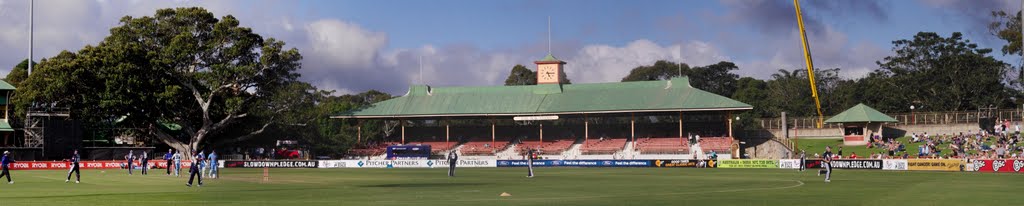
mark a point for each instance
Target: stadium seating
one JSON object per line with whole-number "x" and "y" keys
{"x": 547, "y": 147}
{"x": 667, "y": 145}
{"x": 603, "y": 146}
{"x": 371, "y": 150}
{"x": 437, "y": 147}
{"x": 483, "y": 147}
{"x": 721, "y": 145}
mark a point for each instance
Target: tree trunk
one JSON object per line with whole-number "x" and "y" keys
{"x": 184, "y": 148}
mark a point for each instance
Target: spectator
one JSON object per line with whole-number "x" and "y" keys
{"x": 853, "y": 155}
{"x": 1000, "y": 152}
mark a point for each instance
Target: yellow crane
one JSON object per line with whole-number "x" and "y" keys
{"x": 810, "y": 64}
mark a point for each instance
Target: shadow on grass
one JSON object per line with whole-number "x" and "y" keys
{"x": 425, "y": 185}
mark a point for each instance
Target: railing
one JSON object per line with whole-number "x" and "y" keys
{"x": 972, "y": 117}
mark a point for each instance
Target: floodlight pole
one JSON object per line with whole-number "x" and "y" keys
{"x": 31, "y": 29}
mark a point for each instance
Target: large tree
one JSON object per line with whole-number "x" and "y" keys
{"x": 1008, "y": 28}
{"x": 181, "y": 67}
{"x": 19, "y": 73}
{"x": 715, "y": 78}
{"x": 661, "y": 70}
{"x": 520, "y": 75}
{"x": 943, "y": 74}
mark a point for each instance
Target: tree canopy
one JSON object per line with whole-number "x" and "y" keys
{"x": 181, "y": 66}
{"x": 520, "y": 75}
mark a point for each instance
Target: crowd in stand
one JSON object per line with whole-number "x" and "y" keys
{"x": 998, "y": 143}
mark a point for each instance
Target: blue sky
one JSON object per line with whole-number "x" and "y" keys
{"x": 356, "y": 45}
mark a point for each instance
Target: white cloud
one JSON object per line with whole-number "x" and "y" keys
{"x": 344, "y": 44}
{"x": 829, "y": 49}
{"x": 603, "y": 63}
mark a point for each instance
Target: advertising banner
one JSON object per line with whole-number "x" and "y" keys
{"x": 789, "y": 163}
{"x": 50, "y": 165}
{"x": 577, "y": 163}
{"x": 271, "y": 164}
{"x": 1011, "y": 166}
{"x": 848, "y": 164}
{"x": 464, "y": 163}
{"x": 748, "y": 164}
{"x": 935, "y": 164}
{"x": 403, "y": 163}
{"x": 894, "y": 164}
{"x": 337, "y": 164}
{"x": 683, "y": 163}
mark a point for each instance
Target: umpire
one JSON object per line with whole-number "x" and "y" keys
{"x": 453, "y": 159}
{"x": 5, "y": 165}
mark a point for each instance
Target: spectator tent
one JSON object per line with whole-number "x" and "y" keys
{"x": 860, "y": 121}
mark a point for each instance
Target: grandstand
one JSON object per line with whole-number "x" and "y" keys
{"x": 481, "y": 147}
{"x": 436, "y": 147}
{"x": 673, "y": 145}
{"x": 371, "y": 149}
{"x": 603, "y": 146}
{"x": 553, "y": 147}
{"x": 626, "y": 118}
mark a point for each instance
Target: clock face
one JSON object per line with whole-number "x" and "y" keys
{"x": 547, "y": 73}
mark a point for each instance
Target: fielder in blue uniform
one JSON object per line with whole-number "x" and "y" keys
{"x": 5, "y": 165}
{"x": 212, "y": 158}
{"x": 75, "y": 158}
{"x": 177, "y": 163}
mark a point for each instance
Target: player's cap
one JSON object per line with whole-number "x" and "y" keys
{"x": 6, "y": 152}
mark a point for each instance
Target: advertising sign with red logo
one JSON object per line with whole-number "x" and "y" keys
{"x": 60, "y": 165}
{"x": 1011, "y": 166}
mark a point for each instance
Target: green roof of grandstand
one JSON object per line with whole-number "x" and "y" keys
{"x": 860, "y": 113}
{"x": 5, "y": 127}
{"x": 6, "y": 86}
{"x": 642, "y": 96}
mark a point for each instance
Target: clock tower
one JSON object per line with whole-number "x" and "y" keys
{"x": 549, "y": 70}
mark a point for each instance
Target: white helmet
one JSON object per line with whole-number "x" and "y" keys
{"x": 6, "y": 152}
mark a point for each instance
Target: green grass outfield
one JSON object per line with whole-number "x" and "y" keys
{"x": 552, "y": 186}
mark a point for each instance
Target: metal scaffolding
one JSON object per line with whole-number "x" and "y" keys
{"x": 34, "y": 129}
